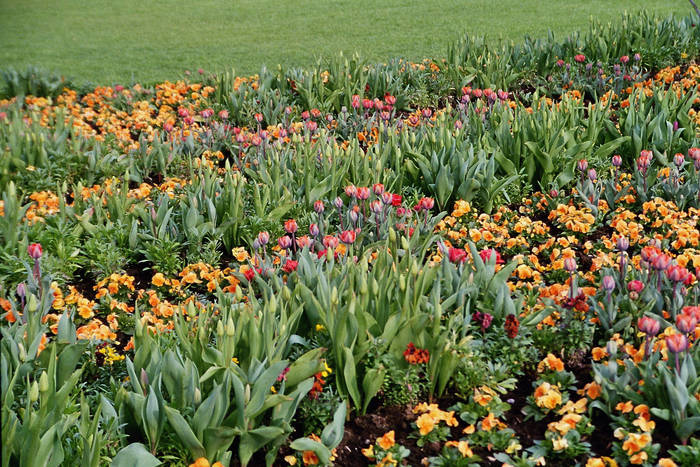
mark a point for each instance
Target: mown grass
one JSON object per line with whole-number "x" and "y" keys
{"x": 108, "y": 42}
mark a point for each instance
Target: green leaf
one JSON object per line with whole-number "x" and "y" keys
{"x": 307, "y": 444}
{"x": 135, "y": 455}
{"x": 333, "y": 432}
{"x": 184, "y": 432}
{"x": 251, "y": 441}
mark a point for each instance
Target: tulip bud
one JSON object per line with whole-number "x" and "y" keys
{"x": 32, "y": 304}
{"x": 608, "y": 283}
{"x": 197, "y": 396}
{"x": 334, "y": 295}
{"x": 43, "y": 382}
{"x": 22, "y": 352}
{"x": 402, "y": 282}
{"x": 34, "y": 392}
{"x": 34, "y": 251}
{"x": 272, "y": 305}
{"x": 392, "y": 235}
{"x": 220, "y": 328}
{"x": 622, "y": 243}
{"x": 144, "y": 380}
{"x": 286, "y": 293}
{"x": 230, "y": 328}
{"x": 570, "y": 265}
{"x": 611, "y": 348}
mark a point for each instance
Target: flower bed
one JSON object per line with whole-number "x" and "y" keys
{"x": 386, "y": 265}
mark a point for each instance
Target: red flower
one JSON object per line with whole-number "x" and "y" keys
{"x": 635, "y": 286}
{"x": 677, "y": 343}
{"x": 34, "y": 250}
{"x": 511, "y": 325}
{"x": 648, "y": 326}
{"x": 457, "y": 255}
{"x": 290, "y": 266}
{"x": 250, "y": 273}
{"x": 580, "y": 58}
{"x": 427, "y": 203}
{"x": 415, "y": 356}
{"x": 290, "y": 226}
{"x": 395, "y": 200}
{"x": 486, "y": 255}
{"x": 348, "y": 237}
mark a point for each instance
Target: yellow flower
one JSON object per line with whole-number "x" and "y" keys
{"x": 291, "y": 460}
{"x": 513, "y": 447}
{"x": 559, "y": 444}
{"x": 368, "y": 452}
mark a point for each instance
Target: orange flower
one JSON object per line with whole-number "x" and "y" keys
{"x": 201, "y": 462}
{"x": 551, "y": 362}
{"x": 624, "y": 407}
{"x": 462, "y": 446}
{"x": 666, "y": 462}
{"x": 158, "y": 279}
{"x": 425, "y": 424}
{"x": 309, "y": 458}
{"x": 386, "y": 441}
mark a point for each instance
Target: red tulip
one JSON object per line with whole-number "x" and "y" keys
{"x": 290, "y": 266}
{"x": 348, "y": 237}
{"x": 290, "y": 226}
{"x": 648, "y": 326}
{"x": 457, "y": 255}
{"x": 34, "y": 250}
{"x": 677, "y": 343}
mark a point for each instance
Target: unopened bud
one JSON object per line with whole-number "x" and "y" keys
{"x": 43, "y": 382}
{"x": 220, "y": 328}
{"x": 230, "y": 328}
{"x": 34, "y": 392}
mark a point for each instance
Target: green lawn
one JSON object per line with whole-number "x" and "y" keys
{"x": 117, "y": 40}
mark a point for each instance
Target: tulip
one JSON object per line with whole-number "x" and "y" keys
{"x": 290, "y": 226}
{"x": 624, "y": 59}
{"x": 427, "y": 203}
{"x": 284, "y": 242}
{"x": 570, "y": 265}
{"x": 263, "y": 238}
{"x": 314, "y": 230}
{"x": 622, "y": 243}
{"x": 457, "y": 255}
{"x": 351, "y": 191}
{"x": 35, "y": 251}
{"x": 362, "y": 193}
{"x": 331, "y": 242}
{"x": 580, "y": 58}
{"x": 290, "y": 266}
{"x": 661, "y": 262}
{"x": 677, "y": 343}
{"x": 378, "y": 189}
{"x": 678, "y": 160}
{"x": 608, "y": 283}
{"x": 338, "y": 202}
{"x": 677, "y": 273}
{"x": 319, "y": 207}
{"x": 348, "y": 237}
{"x": 616, "y": 160}
{"x": 582, "y": 165}
{"x": 648, "y": 326}
{"x": 686, "y": 323}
